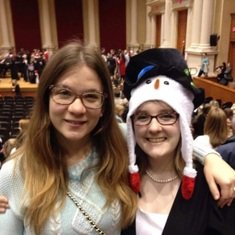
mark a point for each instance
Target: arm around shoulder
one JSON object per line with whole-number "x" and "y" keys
{"x": 200, "y": 151}
{"x": 218, "y": 174}
{"x": 10, "y": 221}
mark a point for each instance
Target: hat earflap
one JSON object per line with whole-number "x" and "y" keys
{"x": 133, "y": 168}
{"x": 189, "y": 173}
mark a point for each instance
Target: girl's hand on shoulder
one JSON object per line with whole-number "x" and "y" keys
{"x": 220, "y": 177}
{"x": 3, "y": 204}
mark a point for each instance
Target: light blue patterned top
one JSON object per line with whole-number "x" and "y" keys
{"x": 69, "y": 221}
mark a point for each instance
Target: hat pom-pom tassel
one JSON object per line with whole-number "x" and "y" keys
{"x": 135, "y": 181}
{"x": 187, "y": 189}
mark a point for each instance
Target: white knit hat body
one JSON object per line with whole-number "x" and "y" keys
{"x": 180, "y": 99}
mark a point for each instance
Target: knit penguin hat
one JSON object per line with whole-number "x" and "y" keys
{"x": 162, "y": 74}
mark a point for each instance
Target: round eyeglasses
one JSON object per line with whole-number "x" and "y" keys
{"x": 164, "y": 119}
{"x": 65, "y": 96}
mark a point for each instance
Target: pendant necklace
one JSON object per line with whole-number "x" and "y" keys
{"x": 161, "y": 181}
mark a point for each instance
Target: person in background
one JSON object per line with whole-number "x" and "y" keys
{"x": 103, "y": 54}
{"x": 127, "y": 57}
{"x": 220, "y": 71}
{"x": 226, "y": 149}
{"x": 228, "y": 72}
{"x": 12, "y": 144}
{"x": 224, "y": 74}
{"x": 174, "y": 197}
{"x": 119, "y": 109}
{"x": 25, "y": 68}
{"x": 40, "y": 63}
{"x": 111, "y": 63}
{"x": 214, "y": 103}
{"x": 229, "y": 116}
{"x": 72, "y": 165}
{"x": 233, "y": 108}
{"x": 23, "y": 126}
{"x": 120, "y": 61}
{"x": 45, "y": 55}
{"x": 204, "y": 69}
{"x": 215, "y": 129}
{"x": 31, "y": 72}
{"x": 227, "y": 152}
{"x": 16, "y": 88}
{"x": 8, "y": 146}
{"x": 13, "y": 68}
{"x": 198, "y": 120}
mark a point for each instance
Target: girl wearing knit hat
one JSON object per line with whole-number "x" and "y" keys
{"x": 174, "y": 196}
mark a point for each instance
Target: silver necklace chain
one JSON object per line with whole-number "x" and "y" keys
{"x": 161, "y": 181}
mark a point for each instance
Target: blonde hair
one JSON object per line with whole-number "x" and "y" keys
{"x": 214, "y": 103}
{"x": 43, "y": 166}
{"x": 119, "y": 108}
{"x": 8, "y": 146}
{"x": 23, "y": 124}
{"x": 216, "y": 126}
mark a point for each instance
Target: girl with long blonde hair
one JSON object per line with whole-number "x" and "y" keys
{"x": 73, "y": 156}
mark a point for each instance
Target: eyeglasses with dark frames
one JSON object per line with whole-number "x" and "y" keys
{"x": 66, "y": 96}
{"x": 168, "y": 118}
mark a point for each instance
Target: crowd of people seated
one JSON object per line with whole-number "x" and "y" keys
{"x": 201, "y": 113}
{"x": 217, "y": 131}
{"x": 116, "y": 62}
{"x": 224, "y": 74}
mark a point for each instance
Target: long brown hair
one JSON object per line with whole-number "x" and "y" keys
{"x": 216, "y": 126}
{"x": 43, "y": 164}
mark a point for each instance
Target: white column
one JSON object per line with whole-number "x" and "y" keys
{"x": 174, "y": 28}
{"x": 148, "y": 34}
{"x": 189, "y": 28}
{"x": 6, "y": 45}
{"x": 162, "y": 29}
{"x": 196, "y": 23}
{"x": 201, "y": 30}
{"x": 47, "y": 17}
{"x": 46, "y": 24}
{"x": 206, "y": 23}
{"x": 167, "y": 24}
{"x": 153, "y": 30}
{"x": 91, "y": 23}
{"x": 133, "y": 40}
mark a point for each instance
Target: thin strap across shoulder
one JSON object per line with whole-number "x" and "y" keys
{"x": 90, "y": 220}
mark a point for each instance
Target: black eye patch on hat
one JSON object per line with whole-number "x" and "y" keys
{"x": 160, "y": 61}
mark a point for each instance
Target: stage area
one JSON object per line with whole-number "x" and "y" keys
{"x": 27, "y": 89}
